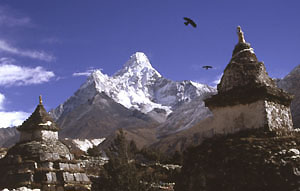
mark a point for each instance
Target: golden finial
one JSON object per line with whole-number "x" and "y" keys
{"x": 240, "y": 35}
{"x": 40, "y": 100}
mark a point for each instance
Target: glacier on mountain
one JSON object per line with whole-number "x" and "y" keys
{"x": 85, "y": 144}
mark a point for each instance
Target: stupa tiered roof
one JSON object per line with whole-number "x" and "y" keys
{"x": 39, "y": 119}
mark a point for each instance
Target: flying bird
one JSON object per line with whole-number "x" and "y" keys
{"x": 189, "y": 21}
{"x": 207, "y": 67}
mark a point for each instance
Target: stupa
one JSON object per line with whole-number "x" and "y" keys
{"x": 252, "y": 145}
{"x": 247, "y": 97}
{"x": 40, "y": 160}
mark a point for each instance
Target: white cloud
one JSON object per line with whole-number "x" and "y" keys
{"x": 34, "y": 54}
{"x": 13, "y": 22}
{"x": 9, "y": 18}
{"x": 14, "y": 118}
{"x": 13, "y": 75}
{"x": 2, "y": 98}
{"x": 86, "y": 73}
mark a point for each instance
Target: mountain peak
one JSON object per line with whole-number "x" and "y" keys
{"x": 137, "y": 64}
{"x": 139, "y": 56}
{"x": 138, "y": 59}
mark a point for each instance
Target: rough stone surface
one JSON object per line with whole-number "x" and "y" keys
{"x": 21, "y": 189}
{"x": 39, "y": 119}
{"x": 2, "y": 152}
{"x": 234, "y": 118}
{"x": 279, "y": 116}
{"x": 247, "y": 160}
{"x": 37, "y": 164}
{"x": 230, "y": 119}
{"x": 39, "y": 126}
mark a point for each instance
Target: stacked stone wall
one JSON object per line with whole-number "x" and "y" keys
{"x": 279, "y": 117}
{"x": 48, "y": 171}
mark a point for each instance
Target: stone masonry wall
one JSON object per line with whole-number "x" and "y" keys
{"x": 230, "y": 119}
{"x": 39, "y": 135}
{"x": 279, "y": 116}
{"x": 48, "y": 166}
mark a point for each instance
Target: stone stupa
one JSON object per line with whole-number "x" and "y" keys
{"x": 247, "y": 97}
{"x": 253, "y": 145}
{"x": 40, "y": 160}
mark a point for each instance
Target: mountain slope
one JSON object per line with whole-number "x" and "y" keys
{"x": 180, "y": 141}
{"x": 291, "y": 84}
{"x": 8, "y": 136}
{"x": 99, "y": 117}
{"x": 184, "y": 117}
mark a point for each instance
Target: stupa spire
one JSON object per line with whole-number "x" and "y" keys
{"x": 240, "y": 34}
{"x": 40, "y": 100}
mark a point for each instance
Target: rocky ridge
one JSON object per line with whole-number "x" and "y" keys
{"x": 291, "y": 84}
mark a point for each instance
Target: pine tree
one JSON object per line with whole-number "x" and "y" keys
{"x": 120, "y": 172}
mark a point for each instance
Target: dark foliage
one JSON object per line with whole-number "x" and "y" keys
{"x": 131, "y": 169}
{"x": 120, "y": 173}
{"x": 94, "y": 152}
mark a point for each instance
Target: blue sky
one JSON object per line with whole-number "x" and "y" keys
{"x": 43, "y": 43}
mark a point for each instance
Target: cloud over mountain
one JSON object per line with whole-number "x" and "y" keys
{"x": 85, "y": 73}
{"x": 10, "y": 118}
{"x": 14, "y": 118}
{"x": 2, "y": 97}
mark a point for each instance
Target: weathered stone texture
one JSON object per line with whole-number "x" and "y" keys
{"x": 21, "y": 189}
{"x": 279, "y": 116}
{"x": 241, "y": 74}
{"x": 68, "y": 177}
{"x": 247, "y": 160}
{"x": 234, "y": 118}
{"x": 37, "y": 164}
{"x": 51, "y": 177}
{"x": 45, "y": 165}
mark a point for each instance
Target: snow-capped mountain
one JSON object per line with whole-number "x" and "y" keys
{"x": 137, "y": 86}
{"x": 83, "y": 144}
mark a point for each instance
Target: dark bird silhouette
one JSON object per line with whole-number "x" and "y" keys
{"x": 189, "y": 21}
{"x": 207, "y": 67}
